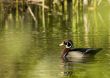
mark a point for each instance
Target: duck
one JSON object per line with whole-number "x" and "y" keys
{"x": 70, "y": 53}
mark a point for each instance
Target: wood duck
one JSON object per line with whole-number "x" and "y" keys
{"x": 71, "y": 53}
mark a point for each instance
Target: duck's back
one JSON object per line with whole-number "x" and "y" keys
{"x": 90, "y": 51}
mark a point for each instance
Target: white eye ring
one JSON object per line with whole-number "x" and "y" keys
{"x": 67, "y": 46}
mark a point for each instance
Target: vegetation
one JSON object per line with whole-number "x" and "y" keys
{"x": 38, "y": 10}
{"x": 30, "y": 31}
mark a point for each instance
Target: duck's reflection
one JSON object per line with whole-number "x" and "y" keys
{"x": 70, "y": 67}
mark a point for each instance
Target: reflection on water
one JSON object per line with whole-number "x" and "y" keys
{"x": 30, "y": 52}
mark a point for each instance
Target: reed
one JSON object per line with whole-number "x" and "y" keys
{"x": 67, "y": 8}
{"x": 43, "y": 15}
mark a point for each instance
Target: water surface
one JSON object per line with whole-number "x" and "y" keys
{"x": 28, "y": 50}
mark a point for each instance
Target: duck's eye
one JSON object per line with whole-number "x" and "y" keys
{"x": 69, "y": 44}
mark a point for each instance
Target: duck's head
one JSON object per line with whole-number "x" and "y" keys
{"x": 67, "y": 43}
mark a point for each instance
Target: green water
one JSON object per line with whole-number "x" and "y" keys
{"x": 28, "y": 50}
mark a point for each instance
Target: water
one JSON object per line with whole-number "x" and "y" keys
{"x": 27, "y": 51}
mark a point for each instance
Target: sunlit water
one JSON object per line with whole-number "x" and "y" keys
{"x": 26, "y": 52}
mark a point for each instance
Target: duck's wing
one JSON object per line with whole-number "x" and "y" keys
{"x": 81, "y": 49}
{"x": 91, "y": 51}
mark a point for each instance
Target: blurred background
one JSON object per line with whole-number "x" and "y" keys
{"x": 31, "y": 30}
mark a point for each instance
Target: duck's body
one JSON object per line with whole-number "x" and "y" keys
{"x": 75, "y": 54}
{"x": 70, "y": 53}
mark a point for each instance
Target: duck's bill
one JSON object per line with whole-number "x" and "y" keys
{"x": 61, "y": 44}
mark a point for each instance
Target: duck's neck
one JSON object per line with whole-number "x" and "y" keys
{"x": 66, "y": 50}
